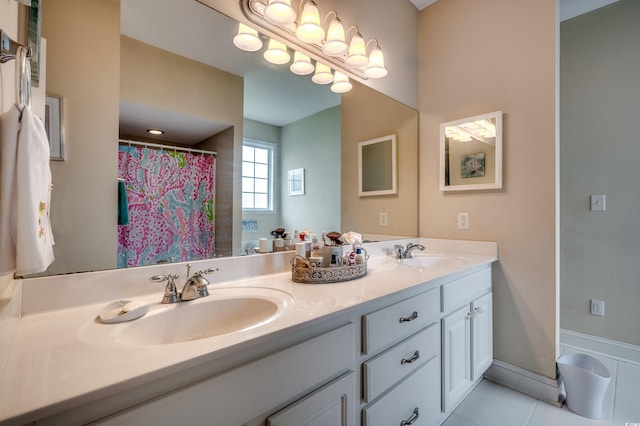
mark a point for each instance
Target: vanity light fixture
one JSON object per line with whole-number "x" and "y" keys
{"x": 357, "y": 56}
{"x": 323, "y": 74}
{"x": 375, "y": 68}
{"x": 341, "y": 83}
{"x": 333, "y": 46}
{"x": 276, "y": 53}
{"x": 280, "y": 12}
{"x": 155, "y": 132}
{"x": 301, "y": 64}
{"x": 309, "y": 29}
{"x": 247, "y": 39}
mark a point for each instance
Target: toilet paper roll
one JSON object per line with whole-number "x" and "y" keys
{"x": 263, "y": 245}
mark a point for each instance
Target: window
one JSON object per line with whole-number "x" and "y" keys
{"x": 257, "y": 176}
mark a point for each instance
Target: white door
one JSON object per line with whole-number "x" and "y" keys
{"x": 456, "y": 356}
{"x": 482, "y": 333}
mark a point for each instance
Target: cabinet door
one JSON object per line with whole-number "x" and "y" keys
{"x": 332, "y": 405}
{"x": 456, "y": 357}
{"x": 482, "y": 333}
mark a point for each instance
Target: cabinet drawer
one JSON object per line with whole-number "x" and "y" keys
{"x": 459, "y": 292}
{"x": 391, "y": 366}
{"x": 418, "y": 395}
{"x": 388, "y": 325}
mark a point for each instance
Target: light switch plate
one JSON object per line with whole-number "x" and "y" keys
{"x": 598, "y": 202}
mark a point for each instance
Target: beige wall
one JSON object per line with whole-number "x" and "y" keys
{"x": 382, "y": 116}
{"x": 478, "y": 57}
{"x": 599, "y": 150}
{"x": 219, "y": 97}
{"x": 83, "y": 38}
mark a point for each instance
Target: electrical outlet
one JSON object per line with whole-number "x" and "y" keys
{"x": 384, "y": 219}
{"x": 463, "y": 220}
{"x": 597, "y": 307}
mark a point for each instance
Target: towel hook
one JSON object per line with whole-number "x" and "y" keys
{"x": 23, "y": 74}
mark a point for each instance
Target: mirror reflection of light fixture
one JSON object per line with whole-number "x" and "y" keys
{"x": 276, "y": 53}
{"x": 323, "y": 74}
{"x": 247, "y": 39}
{"x": 357, "y": 56}
{"x": 375, "y": 68}
{"x": 309, "y": 29}
{"x": 341, "y": 83}
{"x": 335, "y": 44}
{"x": 155, "y": 132}
{"x": 301, "y": 64}
{"x": 280, "y": 12}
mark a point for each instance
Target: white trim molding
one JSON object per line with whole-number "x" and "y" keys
{"x": 611, "y": 348}
{"x": 527, "y": 382}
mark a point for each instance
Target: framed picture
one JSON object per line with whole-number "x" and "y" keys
{"x": 472, "y": 165}
{"x": 296, "y": 182}
{"x": 52, "y": 125}
{"x": 377, "y": 174}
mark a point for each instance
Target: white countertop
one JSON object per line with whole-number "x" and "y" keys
{"x": 51, "y": 367}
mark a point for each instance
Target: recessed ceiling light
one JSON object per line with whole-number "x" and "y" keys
{"x": 155, "y": 132}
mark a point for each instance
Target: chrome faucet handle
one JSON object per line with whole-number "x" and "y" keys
{"x": 202, "y": 282}
{"x": 170, "y": 290}
{"x": 399, "y": 251}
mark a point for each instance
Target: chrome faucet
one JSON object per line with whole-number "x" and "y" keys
{"x": 194, "y": 288}
{"x": 405, "y": 252}
{"x": 196, "y": 285}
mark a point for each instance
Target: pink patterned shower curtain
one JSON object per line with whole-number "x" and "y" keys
{"x": 171, "y": 206}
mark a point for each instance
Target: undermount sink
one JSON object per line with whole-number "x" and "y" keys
{"x": 225, "y": 311}
{"x": 432, "y": 260}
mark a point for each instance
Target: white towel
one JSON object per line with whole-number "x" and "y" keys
{"x": 9, "y": 122}
{"x": 34, "y": 239}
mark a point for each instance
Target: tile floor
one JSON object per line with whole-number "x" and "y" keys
{"x": 493, "y": 405}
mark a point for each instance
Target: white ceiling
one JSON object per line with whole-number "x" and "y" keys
{"x": 568, "y": 8}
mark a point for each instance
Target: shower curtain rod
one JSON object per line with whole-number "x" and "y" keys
{"x": 166, "y": 147}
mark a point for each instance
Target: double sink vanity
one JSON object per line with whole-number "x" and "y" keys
{"x": 401, "y": 346}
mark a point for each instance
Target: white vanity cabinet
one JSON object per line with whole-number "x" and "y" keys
{"x": 402, "y": 383}
{"x": 246, "y": 392}
{"x": 467, "y": 335}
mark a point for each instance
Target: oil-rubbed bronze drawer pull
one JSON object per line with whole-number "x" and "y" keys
{"x": 412, "y": 419}
{"x": 415, "y": 357}
{"x": 411, "y": 317}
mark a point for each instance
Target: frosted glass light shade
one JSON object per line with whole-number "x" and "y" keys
{"x": 323, "y": 74}
{"x": 301, "y": 64}
{"x": 247, "y": 39}
{"x": 335, "y": 45}
{"x": 309, "y": 29}
{"x": 375, "y": 68}
{"x": 341, "y": 83}
{"x": 277, "y": 53}
{"x": 357, "y": 57}
{"x": 280, "y": 12}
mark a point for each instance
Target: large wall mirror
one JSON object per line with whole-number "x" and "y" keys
{"x": 471, "y": 153}
{"x": 122, "y": 67}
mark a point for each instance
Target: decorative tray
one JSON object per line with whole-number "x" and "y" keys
{"x": 303, "y": 272}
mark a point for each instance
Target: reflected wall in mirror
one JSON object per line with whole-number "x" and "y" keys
{"x": 471, "y": 153}
{"x": 377, "y": 174}
{"x": 129, "y": 67}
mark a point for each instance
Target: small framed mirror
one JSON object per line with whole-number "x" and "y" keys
{"x": 471, "y": 153}
{"x": 377, "y": 174}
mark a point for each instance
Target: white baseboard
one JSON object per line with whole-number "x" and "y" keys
{"x": 527, "y": 382}
{"x": 610, "y": 348}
